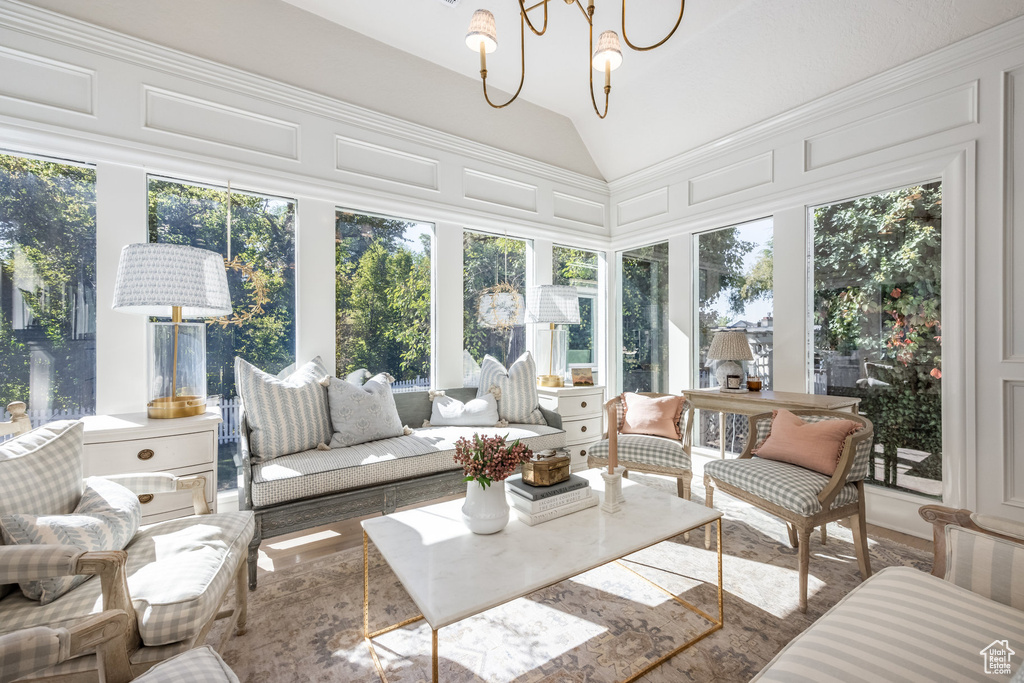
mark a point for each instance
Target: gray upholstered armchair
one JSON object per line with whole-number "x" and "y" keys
{"x": 170, "y": 580}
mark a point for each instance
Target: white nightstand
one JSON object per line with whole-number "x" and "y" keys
{"x": 121, "y": 444}
{"x": 582, "y": 419}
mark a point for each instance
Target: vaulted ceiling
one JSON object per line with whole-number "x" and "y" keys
{"x": 731, "y": 64}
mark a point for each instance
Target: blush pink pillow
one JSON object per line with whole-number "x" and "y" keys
{"x": 651, "y": 416}
{"x": 814, "y": 445}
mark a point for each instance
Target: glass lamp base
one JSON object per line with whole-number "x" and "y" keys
{"x": 182, "y": 406}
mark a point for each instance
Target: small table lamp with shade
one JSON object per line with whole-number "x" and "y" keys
{"x": 554, "y": 305}
{"x": 155, "y": 279}
{"x": 730, "y": 346}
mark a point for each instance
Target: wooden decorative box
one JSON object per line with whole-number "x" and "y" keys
{"x": 547, "y": 468}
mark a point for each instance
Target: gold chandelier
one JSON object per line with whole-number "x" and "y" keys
{"x": 483, "y": 37}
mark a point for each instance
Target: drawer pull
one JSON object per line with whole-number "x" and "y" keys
{"x": 583, "y": 404}
{"x": 146, "y": 454}
{"x": 583, "y": 428}
{"x": 583, "y": 452}
{"x": 145, "y": 498}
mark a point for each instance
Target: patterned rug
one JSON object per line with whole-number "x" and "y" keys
{"x": 305, "y": 622}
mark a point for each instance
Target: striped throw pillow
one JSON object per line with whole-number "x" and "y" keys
{"x": 519, "y": 403}
{"x": 285, "y": 415}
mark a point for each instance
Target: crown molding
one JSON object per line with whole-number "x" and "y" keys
{"x": 58, "y": 28}
{"x": 964, "y": 53}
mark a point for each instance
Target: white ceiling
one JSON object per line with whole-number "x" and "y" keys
{"x": 731, "y": 64}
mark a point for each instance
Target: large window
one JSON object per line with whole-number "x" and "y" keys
{"x": 876, "y": 321}
{"x": 48, "y": 287}
{"x": 256, "y": 234}
{"x": 578, "y": 268}
{"x": 734, "y": 291}
{"x": 383, "y": 297}
{"x": 644, "y": 297}
{"x": 494, "y": 290}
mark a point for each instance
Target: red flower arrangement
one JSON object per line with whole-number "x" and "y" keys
{"x": 488, "y": 459}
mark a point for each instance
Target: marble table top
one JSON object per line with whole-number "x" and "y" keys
{"x": 452, "y": 573}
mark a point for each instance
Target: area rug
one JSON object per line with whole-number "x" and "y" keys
{"x": 305, "y": 621}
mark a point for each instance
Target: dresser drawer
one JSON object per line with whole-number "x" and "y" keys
{"x": 576, "y": 404}
{"x": 580, "y": 430}
{"x": 156, "y": 507}
{"x": 157, "y": 454}
{"x": 578, "y": 453}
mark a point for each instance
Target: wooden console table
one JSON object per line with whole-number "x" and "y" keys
{"x": 754, "y": 402}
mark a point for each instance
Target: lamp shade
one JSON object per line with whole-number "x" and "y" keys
{"x": 608, "y": 51}
{"x": 482, "y": 30}
{"x": 730, "y": 345}
{"x": 558, "y": 304}
{"x": 153, "y": 277}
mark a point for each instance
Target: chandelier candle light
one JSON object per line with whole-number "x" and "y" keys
{"x": 554, "y": 305}
{"x": 176, "y": 281}
{"x": 730, "y": 346}
{"x": 482, "y": 37}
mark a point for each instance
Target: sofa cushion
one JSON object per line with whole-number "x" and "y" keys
{"x": 178, "y": 572}
{"x": 900, "y": 625}
{"x": 647, "y": 450}
{"x": 41, "y": 471}
{"x": 200, "y": 665}
{"x": 106, "y": 518}
{"x": 427, "y": 451}
{"x": 519, "y": 402}
{"x": 362, "y": 413}
{"x": 284, "y": 416}
{"x": 788, "y": 486}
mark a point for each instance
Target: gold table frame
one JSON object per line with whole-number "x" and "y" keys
{"x": 717, "y": 624}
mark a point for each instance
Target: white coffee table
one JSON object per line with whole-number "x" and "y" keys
{"x": 451, "y": 573}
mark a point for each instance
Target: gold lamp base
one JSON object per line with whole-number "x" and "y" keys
{"x": 549, "y": 381}
{"x": 181, "y": 406}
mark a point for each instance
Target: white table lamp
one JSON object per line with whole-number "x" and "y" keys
{"x": 176, "y": 281}
{"x": 554, "y": 305}
{"x": 730, "y": 346}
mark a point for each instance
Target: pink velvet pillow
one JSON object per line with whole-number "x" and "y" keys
{"x": 814, "y": 445}
{"x": 651, "y": 416}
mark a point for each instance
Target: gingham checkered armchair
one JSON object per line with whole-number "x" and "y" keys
{"x": 648, "y": 454}
{"x": 170, "y": 580}
{"x": 802, "y": 498}
{"x": 25, "y": 652}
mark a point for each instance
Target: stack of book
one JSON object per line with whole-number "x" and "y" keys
{"x": 537, "y": 504}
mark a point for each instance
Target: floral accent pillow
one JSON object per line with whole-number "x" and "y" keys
{"x": 361, "y": 414}
{"x": 106, "y": 518}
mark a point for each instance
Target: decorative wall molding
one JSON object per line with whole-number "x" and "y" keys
{"x": 384, "y": 163}
{"x": 219, "y": 124}
{"x": 740, "y": 176}
{"x": 912, "y": 121}
{"x": 51, "y": 26}
{"x": 1013, "y": 220}
{"x": 579, "y": 210}
{"x": 46, "y": 82}
{"x": 1013, "y": 443}
{"x": 642, "y": 207}
{"x": 967, "y": 52}
{"x": 484, "y": 187}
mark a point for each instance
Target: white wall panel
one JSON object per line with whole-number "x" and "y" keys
{"x": 648, "y": 205}
{"x": 731, "y": 179}
{"x": 485, "y": 187}
{"x": 48, "y": 82}
{"x": 912, "y": 121}
{"x": 1013, "y": 444}
{"x": 580, "y": 210}
{"x": 1013, "y": 198}
{"x": 173, "y": 112}
{"x": 364, "y": 159}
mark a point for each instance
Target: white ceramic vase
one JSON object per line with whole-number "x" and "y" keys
{"x": 485, "y": 510}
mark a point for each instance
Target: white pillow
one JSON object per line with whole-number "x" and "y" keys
{"x": 106, "y": 518}
{"x": 361, "y": 414}
{"x": 449, "y": 412}
{"x": 518, "y": 401}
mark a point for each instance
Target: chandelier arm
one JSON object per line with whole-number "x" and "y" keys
{"x": 588, "y": 13}
{"x": 607, "y": 88}
{"x": 523, "y": 9}
{"x": 625, "y": 37}
{"x": 522, "y": 73}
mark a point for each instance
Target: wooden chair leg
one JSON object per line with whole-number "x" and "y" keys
{"x": 793, "y": 540}
{"x": 241, "y": 597}
{"x": 683, "y": 490}
{"x": 860, "y": 537}
{"x": 824, "y": 534}
{"x": 709, "y": 501}
{"x": 804, "y": 555}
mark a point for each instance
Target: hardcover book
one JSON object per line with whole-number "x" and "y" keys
{"x": 520, "y": 487}
{"x": 555, "y": 513}
{"x": 535, "y": 506}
